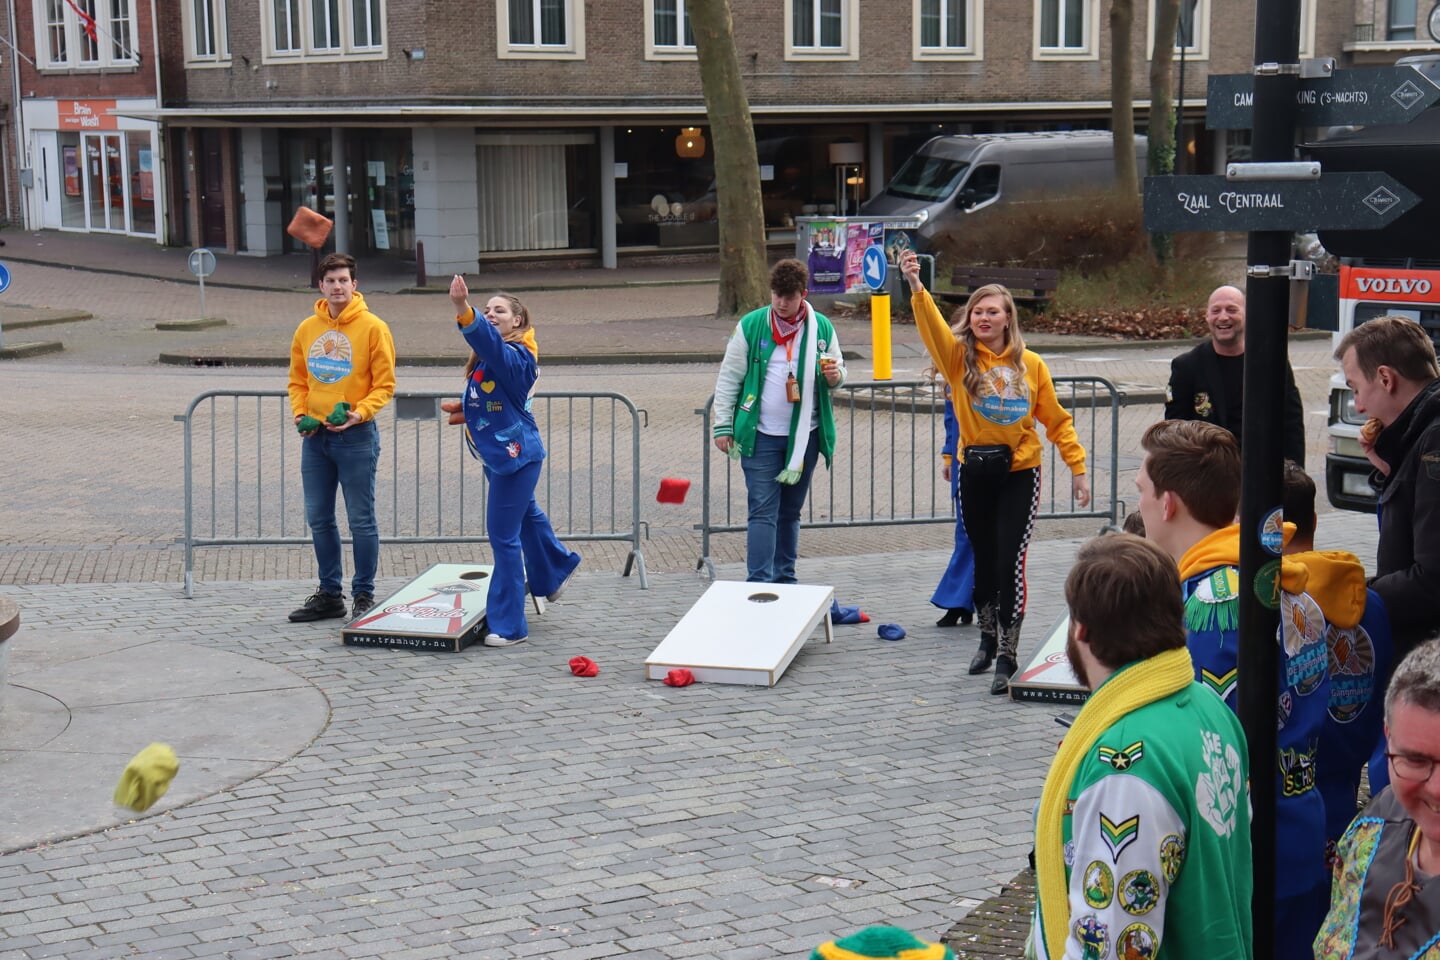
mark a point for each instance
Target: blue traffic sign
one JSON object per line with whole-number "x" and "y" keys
{"x": 4, "y": 278}
{"x": 874, "y": 268}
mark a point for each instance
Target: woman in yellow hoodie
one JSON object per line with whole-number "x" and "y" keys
{"x": 999, "y": 390}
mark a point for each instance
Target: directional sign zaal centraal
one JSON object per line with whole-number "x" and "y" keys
{"x": 1336, "y": 201}
{"x": 1365, "y": 96}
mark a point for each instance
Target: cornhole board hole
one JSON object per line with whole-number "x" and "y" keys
{"x": 743, "y": 632}
{"x": 442, "y": 609}
{"x": 1048, "y": 678}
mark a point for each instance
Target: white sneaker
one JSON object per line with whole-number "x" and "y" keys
{"x": 560, "y": 590}
{"x": 495, "y": 640}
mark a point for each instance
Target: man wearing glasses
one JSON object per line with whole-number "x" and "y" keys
{"x": 1386, "y": 900}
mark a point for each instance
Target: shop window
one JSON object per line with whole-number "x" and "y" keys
{"x": 947, "y": 29}
{"x": 821, "y": 29}
{"x": 86, "y": 33}
{"x": 668, "y": 35}
{"x": 326, "y": 29}
{"x": 536, "y": 190}
{"x": 207, "y": 36}
{"x": 540, "y": 29}
{"x": 1065, "y": 29}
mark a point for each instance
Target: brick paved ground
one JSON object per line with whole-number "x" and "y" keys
{"x": 489, "y": 803}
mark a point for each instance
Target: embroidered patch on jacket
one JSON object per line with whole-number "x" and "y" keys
{"x": 1139, "y": 892}
{"x": 1203, "y": 406}
{"x": 1099, "y": 885}
{"x": 1125, "y": 757}
{"x": 1222, "y": 683}
{"x": 1136, "y": 941}
{"x": 1093, "y": 936}
{"x": 1297, "y": 768}
{"x": 1352, "y": 672}
{"x": 1172, "y": 856}
{"x": 1432, "y": 464}
{"x": 1118, "y": 836}
{"x": 1215, "y": 604}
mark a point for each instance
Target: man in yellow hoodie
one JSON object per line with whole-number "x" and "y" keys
{"x": 1189, "y": 486}
{"x": 342, "y": 371}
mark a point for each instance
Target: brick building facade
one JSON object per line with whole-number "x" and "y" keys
{"x": 577, "y": 127}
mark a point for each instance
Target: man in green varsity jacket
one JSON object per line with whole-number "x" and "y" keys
{"x": 1142, "y": 842}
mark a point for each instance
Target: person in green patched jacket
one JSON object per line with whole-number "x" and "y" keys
{"x": 773, "y": 414}
{"x": 1142, "y": 836}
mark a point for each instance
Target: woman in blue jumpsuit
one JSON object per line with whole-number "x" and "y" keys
{"x": 501, "y": 433}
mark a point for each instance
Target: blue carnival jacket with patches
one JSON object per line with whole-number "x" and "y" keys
{"x": 1210, "y": 574}
{"x": 1157, "y": 837}
{"x": 499, "y": 427}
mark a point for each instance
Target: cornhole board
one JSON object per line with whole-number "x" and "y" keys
{"x": 1048, "y": 678}
{"x": 442, "y": 609}
{"x": 743, "y": 632}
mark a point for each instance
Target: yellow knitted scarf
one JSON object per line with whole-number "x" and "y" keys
{"x": 1127, "y": 691}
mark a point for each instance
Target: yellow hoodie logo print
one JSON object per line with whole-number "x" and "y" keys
{"x": 330, "y": 357}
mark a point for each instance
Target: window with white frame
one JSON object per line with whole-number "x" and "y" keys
{"x": 326, "y": 29}
{"x": 1065, "y": 29}
{"x": 1192, "y": 31}
{"x": 1400, "y": 24}
{"x": 667, "y": 30}
{"x": 541, "y": 29}
{"x": 86, "y": 33}
{"x": 207, "y": 36}
{"x": 947, "y": 29}
{"x": 822, "y": 29}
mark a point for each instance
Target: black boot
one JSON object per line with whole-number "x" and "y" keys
{"x": 983, "y": 656}
{"x": 953, "y": 616}
{"x": 989, "y": 641}
{"x": 1004, "y": 670}
{"x": 1005, "y": 662}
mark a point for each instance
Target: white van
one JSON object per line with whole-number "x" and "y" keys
{"x": 952, "y": 177}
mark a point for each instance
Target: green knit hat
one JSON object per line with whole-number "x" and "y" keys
{"x": 881, "y": 943}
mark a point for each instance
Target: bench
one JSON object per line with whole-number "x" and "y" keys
{"x": 1030, "y": 286}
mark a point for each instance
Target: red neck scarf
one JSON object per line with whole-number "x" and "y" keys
{"x": 782, "y": 330}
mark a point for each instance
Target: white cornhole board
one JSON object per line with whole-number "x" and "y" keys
{"x": 743, "y": 632}
{"x": 1049, "y": 678}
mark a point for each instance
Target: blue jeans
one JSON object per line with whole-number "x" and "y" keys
{"x": 772, "y": 534}
{"x": 525, "y": 548}
{"x": 346, "y": 460}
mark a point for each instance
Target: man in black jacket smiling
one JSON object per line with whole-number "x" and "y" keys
{"x": 1389, "y": 363}
{"x": 1206, "y": 383}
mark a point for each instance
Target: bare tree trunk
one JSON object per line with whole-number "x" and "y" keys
{"x": 1162, "y": 106}
{"x": 744, "y": 281}
{"x": 1122, "y": 100}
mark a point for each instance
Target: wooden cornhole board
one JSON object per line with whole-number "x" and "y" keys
{"x": 743, "y": 632}
{"x": 442, "y": 609}
{"x": 1048, "y": 678}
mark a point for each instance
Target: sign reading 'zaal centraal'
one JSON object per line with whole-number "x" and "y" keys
{"x": 1338, "y": 201}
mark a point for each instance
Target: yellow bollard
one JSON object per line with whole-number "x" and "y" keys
{"x": 880, "y": 334}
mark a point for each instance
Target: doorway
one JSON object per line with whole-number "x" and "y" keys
{"x": 212, "y": 187}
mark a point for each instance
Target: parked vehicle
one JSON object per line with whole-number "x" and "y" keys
{"x": 954, "y": 177}
{"x": 1370, "y": 289}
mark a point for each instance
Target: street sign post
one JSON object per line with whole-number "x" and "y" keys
{"x": 201, "y": 264}
{"x": 874, "y": 267}
{"x": 1335, "y": 201}
{"x": 1362, "y": 95}
{"x": 4, "y": 285}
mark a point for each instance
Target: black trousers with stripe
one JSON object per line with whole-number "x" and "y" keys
{"x": 999, "y": 515}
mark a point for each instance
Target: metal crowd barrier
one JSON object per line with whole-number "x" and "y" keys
{"x": 886, "y": 468}
{"x": 243, "y": 487}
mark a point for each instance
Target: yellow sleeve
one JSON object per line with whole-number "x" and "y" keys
{"x": 299, "y": 385}
{"x": 382, "y": 372}
{"x": 939, "y": 340}
{"x": 1059, "y": 425}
